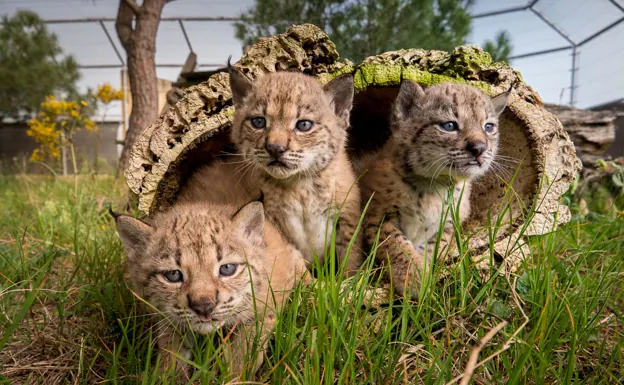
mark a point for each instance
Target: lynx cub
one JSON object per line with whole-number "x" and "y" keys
{"x": 442, "y": 137}
{"x": 199, "y": 264}
{"x": 294, "y": 130}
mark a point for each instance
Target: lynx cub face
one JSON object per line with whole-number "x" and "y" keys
{"x": 196, "y": 265}
{"x": 287, "y": 123}
{"x": 294, "y": 130}
{"x": 447, "y": 130}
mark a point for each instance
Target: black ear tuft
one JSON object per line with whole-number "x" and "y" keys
{"x": 112, "y": 213}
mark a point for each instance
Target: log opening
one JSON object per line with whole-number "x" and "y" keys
{"x": 196, "y": 128}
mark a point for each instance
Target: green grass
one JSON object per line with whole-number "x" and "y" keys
{"x": 67, "y": 317}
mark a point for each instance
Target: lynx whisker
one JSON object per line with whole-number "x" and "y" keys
{"x": 502, "y": 165}
{"x": 437, "y": 172}
{"x": 442, "y": 158}
{"x": 508, "y": 159}
{"x": 497, "y": 168}
{"x": 239, "y": 161}
{"x": 231, "y": 154}
{"x": 242, "y": 170}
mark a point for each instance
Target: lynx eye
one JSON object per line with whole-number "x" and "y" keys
{"x": 489, "y": 127}
{"x": 304, "y": 125}
{"x": 258, "y": 122}
{"x": 173, "y": 276}
{"x": 449, "y": 126}
{"x": 227, "y": 270}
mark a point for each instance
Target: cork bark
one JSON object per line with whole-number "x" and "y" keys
{"x": 592, "y": 132}
{"x": 196, "y": 127}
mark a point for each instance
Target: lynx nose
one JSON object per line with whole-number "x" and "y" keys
{"x": 476, "y": 148}
{"x": 275, "y": 150}
{"x": 202, "y": 306}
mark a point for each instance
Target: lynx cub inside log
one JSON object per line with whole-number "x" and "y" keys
{"x": 292, "y": 129}
{"x": 206, "y": 264}
{"x": 443, "y": 137}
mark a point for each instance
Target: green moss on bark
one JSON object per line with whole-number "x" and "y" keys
{"x": 385, "y": 75}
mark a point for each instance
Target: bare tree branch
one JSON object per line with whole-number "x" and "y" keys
{"x": 133, "y": 5}
{"x": 123, "y": 25}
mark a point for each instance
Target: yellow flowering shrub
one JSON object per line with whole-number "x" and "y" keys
{"x": 56, "y": 117}
{"x": 47, "y": 136}
{"x": 107, "y": 94}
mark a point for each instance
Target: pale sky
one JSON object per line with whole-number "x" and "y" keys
{"x": 600, "y": 75}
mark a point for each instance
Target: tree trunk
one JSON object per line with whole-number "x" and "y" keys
{"x": 139, "y": 41}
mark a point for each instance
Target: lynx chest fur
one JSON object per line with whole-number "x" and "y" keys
{"x": 416, "y": 204}
{"x": 310, "y": 214}
{"x": 423, "y": 213}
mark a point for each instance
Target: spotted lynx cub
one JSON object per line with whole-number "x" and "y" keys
{"x": 294, "y": 131}
{"x": 442, "y": 137}
{"x": 199, "y": 263}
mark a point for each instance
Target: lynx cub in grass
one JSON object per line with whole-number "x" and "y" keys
{"x": 207, "y": 266}
{"x": 294, "y": 130}
{"x": 442, "y": 137}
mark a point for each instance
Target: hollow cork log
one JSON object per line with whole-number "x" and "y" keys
{"x": 539, "y": 159}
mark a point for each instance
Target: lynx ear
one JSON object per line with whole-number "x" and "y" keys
{"x": 239, "y": 84}
{"x": 249, "y": 223}
{"x": 340, "y": 90}
{"x": 409, "y": 97}
{"x": 500, "y": 101}
{"x": 134, "y": 234}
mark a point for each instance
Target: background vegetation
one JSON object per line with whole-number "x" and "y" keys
{"x": 361, "y": 28}
{"x": 57, "y": 121}
{"x": 32, "y": 66}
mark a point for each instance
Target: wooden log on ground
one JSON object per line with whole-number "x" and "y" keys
{"x": 592, "y": 132}
{"x": 196, "y": 128}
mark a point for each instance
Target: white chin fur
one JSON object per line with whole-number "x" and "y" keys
{"x": 472, "y": 171}
{"x": 278, "y": 172}
{"x": 207, "y": 327}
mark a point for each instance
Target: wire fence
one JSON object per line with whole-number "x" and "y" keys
{"x": 559, "y": 16}
{"x": 573, "y": 44}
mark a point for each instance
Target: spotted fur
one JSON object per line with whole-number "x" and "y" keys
{"x": 306, "y": 176}
{"x": 413, "y": 174}
{"x": 198, "y": 239}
